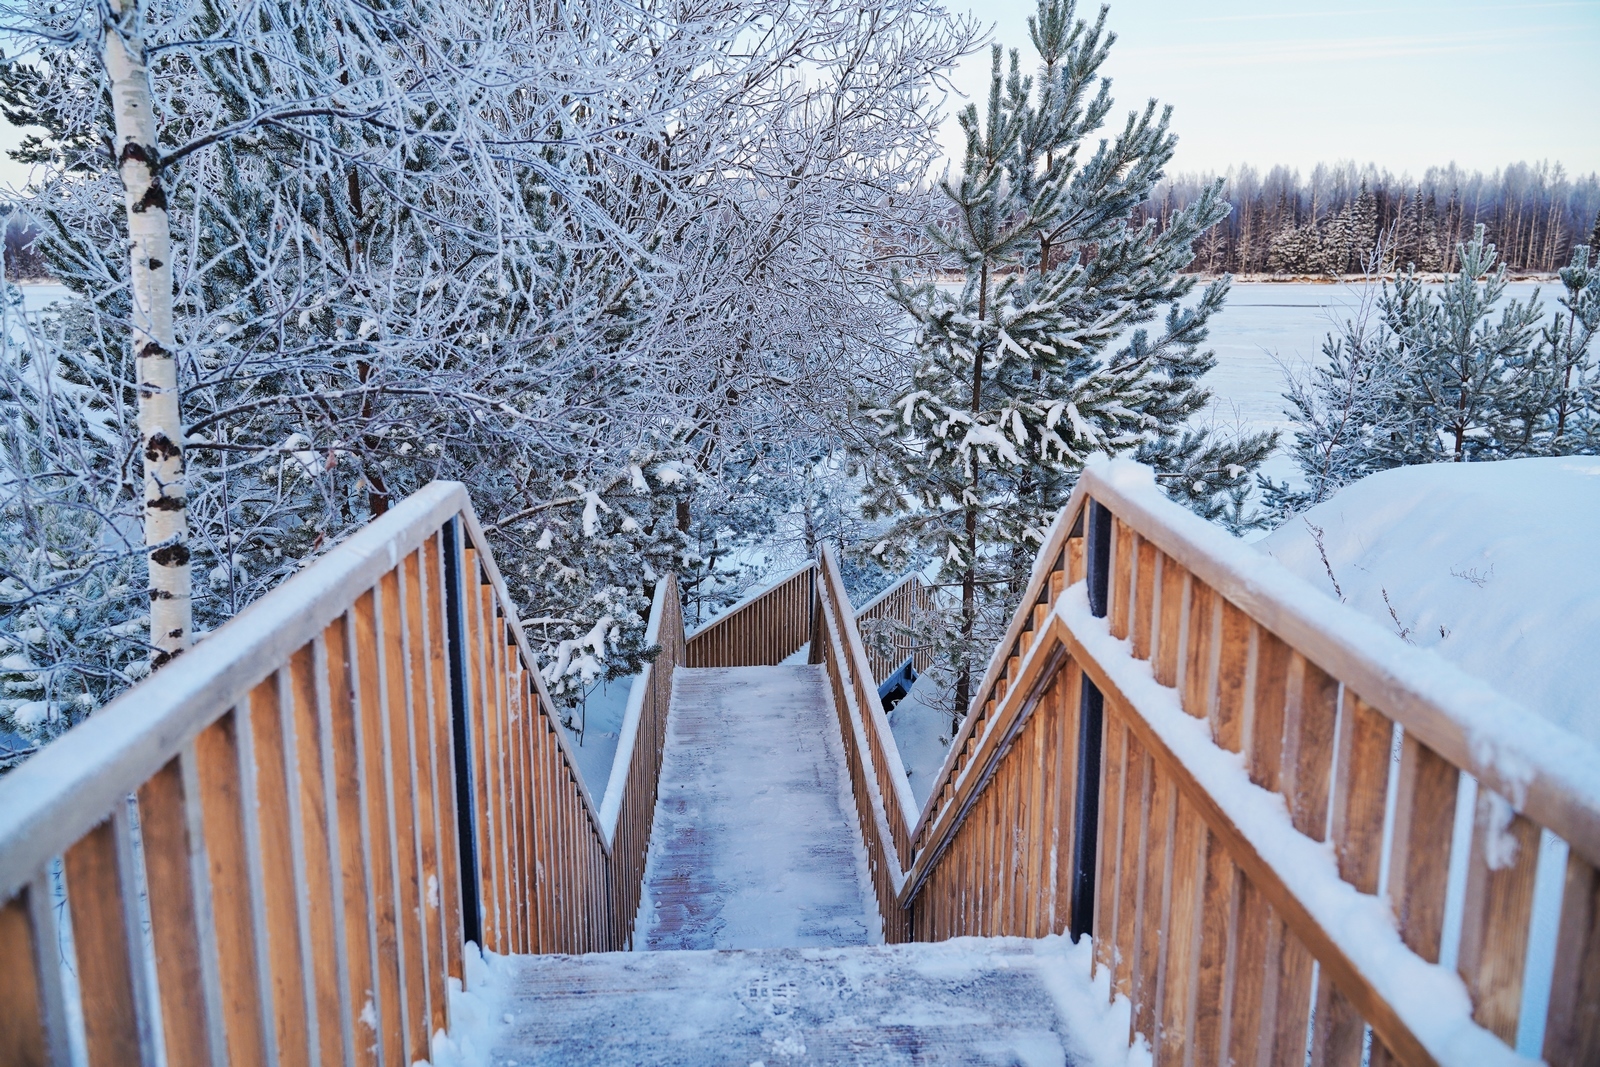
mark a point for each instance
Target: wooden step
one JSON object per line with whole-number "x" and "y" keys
{"x": 969, "y": 1001}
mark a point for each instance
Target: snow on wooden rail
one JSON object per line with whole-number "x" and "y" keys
{"x": 274, "y": 849}
{"x": 1185, "y": 751}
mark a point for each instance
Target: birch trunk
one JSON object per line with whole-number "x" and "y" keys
{"x": 166, "y": 524}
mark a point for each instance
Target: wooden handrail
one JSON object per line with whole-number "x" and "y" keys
{"x": 1186, "y": 752}
{"x": 295, "y": 825}
{"x": 884, "y": 803}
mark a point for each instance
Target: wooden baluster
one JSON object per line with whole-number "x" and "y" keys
{"x": 105, "y": 969}
{"x": 355, "y": 906}
{"x": 1156, "y": 864}
{"x": 1310, "y": 720}
{"x": 1419, "y": 864}
{"x": 279, "y": 870}
{"x": 1144, "y": 599}
{"x": 1572, "y": 1027}
{"x": 443, "y": 749}
{"x": 371, "y": 713}
{"x": 472, "y": 654}
{"x": 1077, "y": 564}
{"x": 406, "y": 694}
{"x": 1177, "y": 977}
{"x": 25, "y": 1038}
{"x": 1364, "y": 742}
{"x": 1170, "y": 620}
{"x": 216, "y": 754}
{"x": 1120, "y": 611}
{"x": 1217, "y": 925}
{"x": 1291, "y": 1002}
{"x": 1130, "y": 866}
{"x": 309, "y": 699}
{"x": 1235, "y": 638}
{"x": 1254, "y": 975}
{"x": 1200, "y": 668}
{"x": 1270, "y": 698}
{"x": 1114, "y": 763}
{"x": 1495, "y": 914}
{"x": 170, "y": 859}
{"x": 419, "y": 682}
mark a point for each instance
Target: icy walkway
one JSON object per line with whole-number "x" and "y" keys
{"x": 755, "y": 843}
{"x": 968, "y": 1001}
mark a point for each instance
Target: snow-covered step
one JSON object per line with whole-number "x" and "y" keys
{"x": 755, "y": 842}
{"x": 968, "y": 1001}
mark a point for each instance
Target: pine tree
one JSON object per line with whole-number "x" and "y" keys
{"x": 1019, "y": 381}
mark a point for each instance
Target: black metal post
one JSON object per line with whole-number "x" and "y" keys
{"x": 1091, "y": 712}
{"x": 1099, "y": 557}
{"x": 461, "y": 732}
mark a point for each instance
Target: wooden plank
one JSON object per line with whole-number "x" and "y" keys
{"x": 1174, "y": 580}
{"x": 1120, "y": 610}
{"x": 443, "y": 749}
{"x": 1135, "y": 821}
{"x": 1180, "y": 963}
{"x": 310, "y": 699}
{"x": 217, "y": 763}
{"x": 1217, "y": 926}
{"x": 1309, "y": 733}
{"x": 1271, "y": 696}
{"x": 1291, "y": 1007}
{"x": 1254, "y": 976}
{"x": 1572, "y": 1027}
{"x": 1419, "y": 865}
{"x": 472, "y": 654}
{"x": 24, "y": 1040}
{"x": 1361, "y": 792}
{"x": 371, "y": 713}
{"x": 1495, "y": 914}
{"x": 419, "y": 682}
{"x": 1339, "y": 1031}
{"x": 401, "y": 781}
{"x": 279, "y": 873}
{"x": 1156, "y": 865}
{"x": 1199, "y": 673}
{"x": 1144, "y": 600}
{"x": 355, "y": 910}
{"x": 1233, "y": 669}
{"x": 1113, "y": 767}
{"x": 174, "y": 922}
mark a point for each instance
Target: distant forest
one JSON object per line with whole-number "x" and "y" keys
{"x": 1330, "y": 222}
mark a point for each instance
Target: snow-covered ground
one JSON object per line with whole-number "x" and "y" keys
{"x": 921, "y": 727}
{"x": 595, "y": 726}
{"x": 1492, "y": 565}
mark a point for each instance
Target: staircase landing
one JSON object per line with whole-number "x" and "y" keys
{"x": 755, "y": 843}
{"x": 994, "y": 1001}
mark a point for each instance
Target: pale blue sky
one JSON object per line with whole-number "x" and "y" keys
{"x": 1405, "y": 84}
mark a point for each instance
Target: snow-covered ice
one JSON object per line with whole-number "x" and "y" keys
{"x": 755, "y": 842}
{"x": 1491, "y": 565}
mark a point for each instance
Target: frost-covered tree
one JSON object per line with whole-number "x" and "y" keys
{"x": 1030, "y": 368}
{"x": 1447, "y": 375}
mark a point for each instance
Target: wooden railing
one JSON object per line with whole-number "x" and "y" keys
{"x": 274, "y": 849}
{"x": 890, "y": 619}
{"x": 885, "y": 806}
{"x": 1187, "y": 753}
{"x": 764, "y": 628}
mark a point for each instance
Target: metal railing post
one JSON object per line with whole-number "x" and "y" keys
{"x": 461, "y": 733}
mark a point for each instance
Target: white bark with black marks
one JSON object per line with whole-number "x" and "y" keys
{"x": 166, "y": 527}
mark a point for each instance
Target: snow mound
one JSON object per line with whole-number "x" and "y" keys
{"x": 1492, "y": 565}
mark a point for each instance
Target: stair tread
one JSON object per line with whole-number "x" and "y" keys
{"x": 968, "y": 1001}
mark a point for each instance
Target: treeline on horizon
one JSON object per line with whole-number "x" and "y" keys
{"x": 1330, "y": 221}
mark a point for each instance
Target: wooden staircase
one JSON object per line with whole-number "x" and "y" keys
{"x": 1177, "y": 781}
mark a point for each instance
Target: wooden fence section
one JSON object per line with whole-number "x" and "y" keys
{"x": 889, "y": 624}
{"x": 274, "y": 850}
{"x": 1187, "y": 753}
{"x": 884, "y": 803}
{"x": 763, "y": 628}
